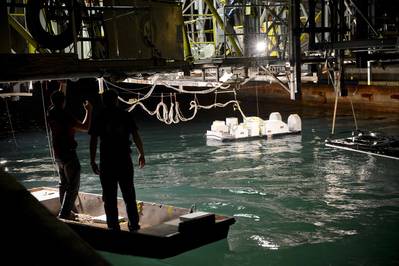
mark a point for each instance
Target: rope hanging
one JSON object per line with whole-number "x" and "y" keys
{"x": 173, "y": 114}
{"x": 353, "y": 110}
{"x": 336, "y": 90}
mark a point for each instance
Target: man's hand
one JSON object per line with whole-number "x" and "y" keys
{"x": 88, "y": 106}
{"x": 95, "y": 168}
{"x": 141, "y": 161}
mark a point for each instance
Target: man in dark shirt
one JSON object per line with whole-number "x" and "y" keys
{"x": 114, "y": 126}
{"x": 63, "y": 127}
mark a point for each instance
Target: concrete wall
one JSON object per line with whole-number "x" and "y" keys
{"x": 372, "y": 98}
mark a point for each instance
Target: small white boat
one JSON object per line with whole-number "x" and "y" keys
{"x": 165, "y": 231}
{"x": 254, "y": 128}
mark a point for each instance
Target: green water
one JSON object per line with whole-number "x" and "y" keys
{"x": 296, "y": 202}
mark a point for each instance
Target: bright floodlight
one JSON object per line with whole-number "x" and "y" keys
{"x": 261, "y": 46}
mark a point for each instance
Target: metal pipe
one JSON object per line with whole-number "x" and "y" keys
{"x": 369, "y": 72}
{"x": 295, "y": 46}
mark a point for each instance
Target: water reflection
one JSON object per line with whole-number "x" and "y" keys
{"x": 284, "y": 193}
{"x": 263, "y": 242}
{"x": 211, "y": 254}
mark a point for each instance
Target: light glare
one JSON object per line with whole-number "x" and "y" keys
{"x": 261, "y": 46}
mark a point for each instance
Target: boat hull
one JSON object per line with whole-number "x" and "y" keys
{"x": 368, "y": 143}
{"x": 150, "y": 245}
{"x": 166, "y": 230}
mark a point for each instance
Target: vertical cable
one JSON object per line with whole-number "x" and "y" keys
{"x": 257, "y": 100}
{"x": 48, "y": 131}
{"x": 336, "y": 102}
{"x": 12, "y": 128}
{"x": 353, "y": 110}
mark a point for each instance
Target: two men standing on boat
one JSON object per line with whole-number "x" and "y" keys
{"x": 114, "y": 127}
{"x": 63, "y": 127}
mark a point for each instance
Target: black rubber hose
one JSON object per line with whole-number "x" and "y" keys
{"x": 45, "y": 38}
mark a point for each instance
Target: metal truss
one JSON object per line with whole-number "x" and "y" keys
{"x": 278, "y": 40}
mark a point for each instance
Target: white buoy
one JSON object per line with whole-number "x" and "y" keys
{"x": 275, "y": 116}
{"x": 294, "y": 123}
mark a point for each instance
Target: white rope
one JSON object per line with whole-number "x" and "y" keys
{"x": 221, "y": 105}
{"x": 138, "y": 99}
{"x": 174, "y": 114}
{"x": 336, "y": 90}
{"x": 168, "y": 115}
{"x": 181, "y": 90}
{"x": 239, "y": 106}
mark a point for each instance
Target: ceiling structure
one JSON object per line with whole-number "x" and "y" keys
{"x": 197, "y": 43}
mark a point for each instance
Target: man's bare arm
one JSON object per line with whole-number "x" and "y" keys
{"x": 93, "y": 151}
{"x": 139, "y": 144}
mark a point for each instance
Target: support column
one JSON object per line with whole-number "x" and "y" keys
{"x": 251, "y": 28}
{"x": 341, "y": 70}
{"x": 294, "y": 29}
{"x": 312, "y": 30}
{"x": 312, "y": 23}
{"x": 368, "y": 72}
{"x": 341, "y": 52}
{"x": 5, "y": 44}
{"x": 322, "y": 20}
{"x": 362, "y": 31}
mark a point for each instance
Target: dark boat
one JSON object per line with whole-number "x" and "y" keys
{"x": 165, "y": 231}
{"x": 368, "y": 142}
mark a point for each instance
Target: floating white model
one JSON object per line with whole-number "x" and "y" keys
{"x": 254, "y": 127}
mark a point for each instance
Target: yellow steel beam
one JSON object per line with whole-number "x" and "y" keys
{"x": 202, "y": 42}
{"x": 25, "y": 34}
{"x": 186, "y": 47}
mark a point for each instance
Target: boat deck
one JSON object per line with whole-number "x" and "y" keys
{"x": 165, "y": 229}
{"x": 91, "y": 220}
